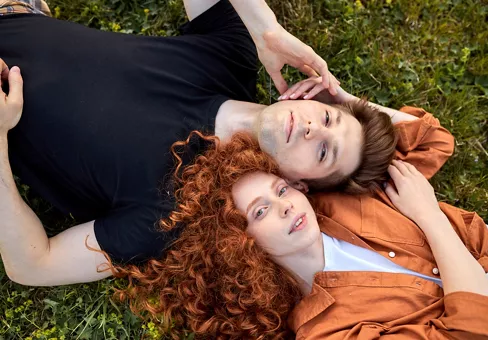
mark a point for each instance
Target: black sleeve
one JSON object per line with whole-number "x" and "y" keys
{"x": 221, "y": 17}
{"x": 132, "y": 235}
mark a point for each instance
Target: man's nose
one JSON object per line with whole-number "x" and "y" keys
{"x": 285, "y": 208}
{"x": 312, "y": 130}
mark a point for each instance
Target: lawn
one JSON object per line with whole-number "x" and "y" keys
{"x": 427, "y": 53}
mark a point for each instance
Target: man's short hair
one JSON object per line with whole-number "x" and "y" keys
{"x": 378, "y": 149}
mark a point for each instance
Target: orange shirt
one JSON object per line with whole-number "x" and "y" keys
{"x": 372, "y": 305}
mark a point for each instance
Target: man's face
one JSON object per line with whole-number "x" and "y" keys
{"x": 310, "y": 140}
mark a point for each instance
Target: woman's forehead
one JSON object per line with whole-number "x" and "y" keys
{"x": 250, "y": 186}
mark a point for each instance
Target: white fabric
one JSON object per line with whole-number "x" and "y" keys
{"x": 344, "y": 256}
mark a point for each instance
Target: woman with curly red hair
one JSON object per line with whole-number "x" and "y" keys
{"x": 254, "y": 261}
{"x": 215, "y": 280}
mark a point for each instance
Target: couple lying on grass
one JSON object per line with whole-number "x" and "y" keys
{"x": 254, "y": 259}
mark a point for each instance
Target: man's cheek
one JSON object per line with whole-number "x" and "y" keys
{"x": 268, "y": 144}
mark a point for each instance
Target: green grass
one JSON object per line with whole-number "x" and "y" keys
{"x": 432, "y": 54}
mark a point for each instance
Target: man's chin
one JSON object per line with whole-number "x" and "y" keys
{"x": 267, "y": 143}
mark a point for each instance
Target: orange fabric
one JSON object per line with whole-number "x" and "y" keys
{"x": 372, "y": 305}
{"x": 423, "y": 142}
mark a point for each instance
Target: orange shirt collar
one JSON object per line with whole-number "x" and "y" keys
{"x": 310, "y": 306}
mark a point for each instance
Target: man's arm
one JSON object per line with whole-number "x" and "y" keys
{"x": 29, "y": 256}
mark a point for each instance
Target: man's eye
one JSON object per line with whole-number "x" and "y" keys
{"x": 327, "y": 118}
{"x": 323, "y": 152}
{"x": 282, "y": 191}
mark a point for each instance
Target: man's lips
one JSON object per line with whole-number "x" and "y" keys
{"x": 289, "y": 122}
{"x": 301, "y": 226}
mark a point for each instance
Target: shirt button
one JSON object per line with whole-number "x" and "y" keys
{"x": 391, "y": 254}
{"x": 435, "y": 271}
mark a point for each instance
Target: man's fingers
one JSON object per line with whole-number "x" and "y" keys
{"x": 305, "y": 86}
{"x": 334, "y": 80}
{"x": 320, "y": 66}
{"x": 291, "y": 90}
{"x": 315, "y": 91}
{"x": 308, "y": 71}
{"x": 15, "y": 83}
{"x": 279, "y": 81}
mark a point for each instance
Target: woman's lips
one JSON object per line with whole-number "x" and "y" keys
{"x": 301, "y": 226}
{"x": 289, "y": 127}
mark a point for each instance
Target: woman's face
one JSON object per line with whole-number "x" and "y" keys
{"x": 280, "y": 218}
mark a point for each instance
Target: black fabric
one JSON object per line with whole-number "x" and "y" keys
{"x": 102, "y": 110}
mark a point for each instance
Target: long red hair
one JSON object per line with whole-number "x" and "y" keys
{"x": 214, "y": 281}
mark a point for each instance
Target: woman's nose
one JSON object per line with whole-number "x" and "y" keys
{"x": 285, "y": 208}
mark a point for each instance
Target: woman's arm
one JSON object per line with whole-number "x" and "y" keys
{"x": 414, "y": 197}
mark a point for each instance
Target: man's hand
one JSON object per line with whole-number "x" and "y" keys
{"x": 313, "y": 88}
{"x": 278, "y": 47}
{"x": 414, "y": 196}
{"x": 11, "y": 104}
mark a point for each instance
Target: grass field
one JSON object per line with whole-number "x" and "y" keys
{"x": 427, "y": 53}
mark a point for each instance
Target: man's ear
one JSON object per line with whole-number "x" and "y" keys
{"x": 299, "y": 185}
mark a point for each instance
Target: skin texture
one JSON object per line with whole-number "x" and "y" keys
{"x": 317, "y": 130}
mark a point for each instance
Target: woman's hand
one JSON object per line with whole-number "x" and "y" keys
{"x": 278, "y": 47}
{"x": 313, "y": 88}
{"x": 414, "y": 196}
{"x": 11, "y": 104}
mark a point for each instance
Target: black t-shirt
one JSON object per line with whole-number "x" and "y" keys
{"x": 102, "y": 110}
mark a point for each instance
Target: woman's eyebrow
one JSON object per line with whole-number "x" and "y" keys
{"x": 254, "y": 201}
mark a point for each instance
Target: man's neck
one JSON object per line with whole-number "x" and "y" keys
{"x": 234, "y": 116}
{"x": 305, "y": 264}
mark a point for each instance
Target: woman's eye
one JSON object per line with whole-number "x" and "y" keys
{"x": 282, "y": 191}
{"x": 323, "y": 152}
{"x": 260, "y": 212}
{"x": 327, "y": 118}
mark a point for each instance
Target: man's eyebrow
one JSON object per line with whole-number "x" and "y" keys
{"x": 335, "y": 149}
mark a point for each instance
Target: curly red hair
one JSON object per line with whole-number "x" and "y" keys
{"x": 214, "y": 281}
